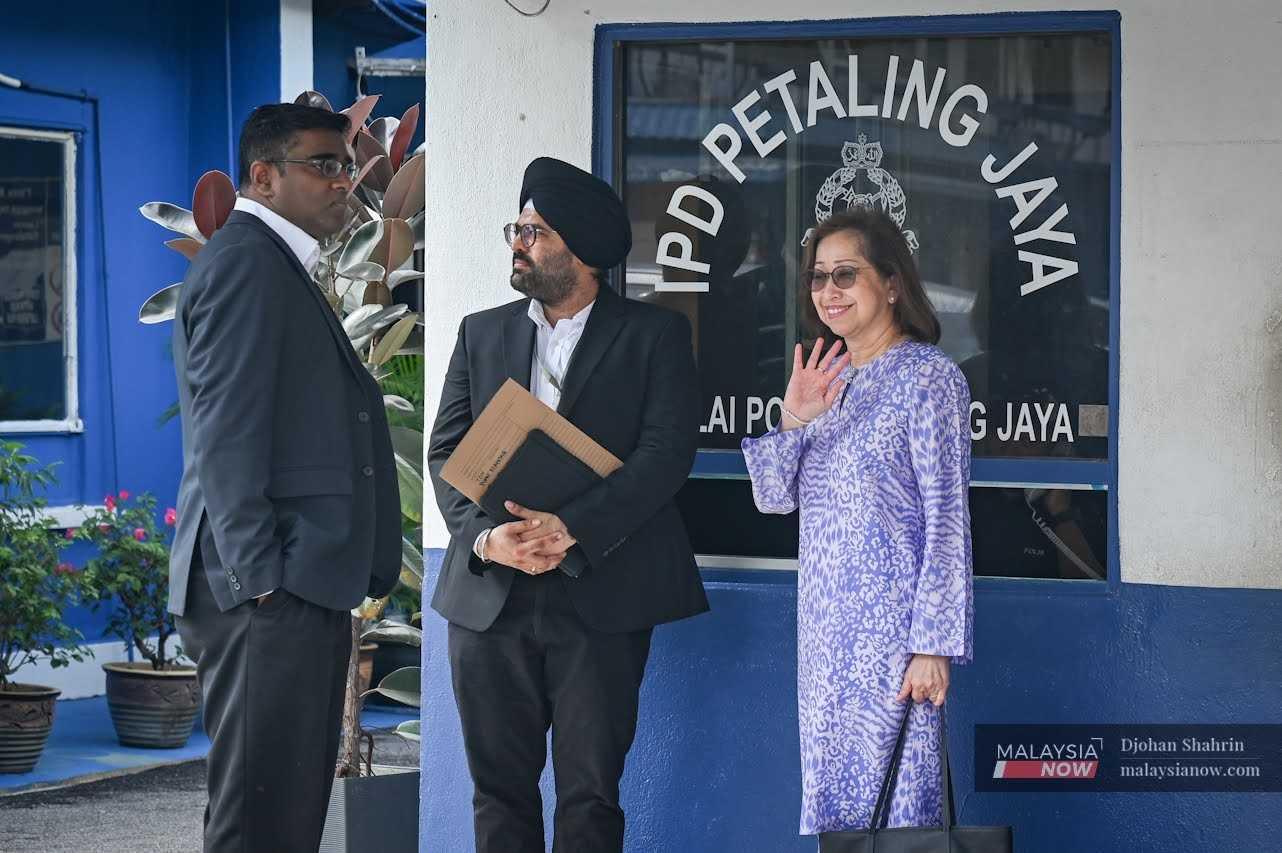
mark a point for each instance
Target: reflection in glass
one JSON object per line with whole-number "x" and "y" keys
{"x": 1032, "y": 532}
{"x": 1039, "y": 532}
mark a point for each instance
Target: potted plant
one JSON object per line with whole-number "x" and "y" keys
{"x": 153, "y": 700}
{"x": 361, "y": 268}
{"x": 35, "y": 589}
{"x": 381, "y": 811}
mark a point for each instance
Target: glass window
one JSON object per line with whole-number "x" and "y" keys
{"x": 994, "y": 155}
{"x": 34, "y": 260}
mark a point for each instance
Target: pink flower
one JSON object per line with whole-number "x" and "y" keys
{"x": 70, "y": 533}
{"x": 110, "y": 503}
{"x": 65, "y": 569}
{"x": 171, "y": 516}
{"x": 140, "y": 534}
{"x": 104, "y": 528}
{"x": 124, "y": 496}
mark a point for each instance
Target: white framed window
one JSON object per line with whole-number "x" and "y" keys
{"x": 38, "y": 352}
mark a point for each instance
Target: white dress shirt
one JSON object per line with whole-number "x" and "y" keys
{"x": 553, "y": 347}
{"x": 304, "y": 246}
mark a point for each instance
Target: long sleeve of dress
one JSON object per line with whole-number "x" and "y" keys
{"x": 939, "y": 442}
{"x": 773, "y": 461}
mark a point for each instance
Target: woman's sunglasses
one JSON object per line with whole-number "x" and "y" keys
{"x": 843, "y": 277}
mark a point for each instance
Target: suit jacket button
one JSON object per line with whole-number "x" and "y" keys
{"x": 363, "y": 417}
{"x": 235, "y": 586}
{"x": 367, "y": 471}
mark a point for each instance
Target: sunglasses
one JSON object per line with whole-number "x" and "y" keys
{"x": 843, "y": 277}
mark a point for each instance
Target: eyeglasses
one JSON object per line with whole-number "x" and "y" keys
{"x": 843, "y": 277}
{"x": 527, "y": 232}
{"x": 328, "y": 167}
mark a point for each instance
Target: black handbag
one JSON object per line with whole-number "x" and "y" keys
{"x": 948, "y": 838}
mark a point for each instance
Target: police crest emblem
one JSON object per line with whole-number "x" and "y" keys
{"x": 846, "y": 189}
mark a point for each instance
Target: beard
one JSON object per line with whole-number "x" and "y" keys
{"x": 552, "y": 283}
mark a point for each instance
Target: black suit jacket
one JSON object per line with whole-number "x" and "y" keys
{"x": 287, "y": 458}
{"x": 631, "y": 385}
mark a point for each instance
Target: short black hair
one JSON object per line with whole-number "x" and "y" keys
{"x": 270, "y": 129}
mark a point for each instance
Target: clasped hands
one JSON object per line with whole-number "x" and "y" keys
{"x": 534, "y": 545}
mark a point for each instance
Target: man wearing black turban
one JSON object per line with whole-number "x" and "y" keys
{"x": 532, "y": 647}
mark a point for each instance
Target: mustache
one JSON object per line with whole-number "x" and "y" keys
{"x": 521, "y": 256}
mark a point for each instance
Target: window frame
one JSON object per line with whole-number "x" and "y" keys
{"x": 71, "y": 422}
{"x": 1077, "y": 474}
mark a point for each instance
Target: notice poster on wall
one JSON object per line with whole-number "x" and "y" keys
{"x": 33, "y": 185}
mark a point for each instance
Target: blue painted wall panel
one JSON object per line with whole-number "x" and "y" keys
{"x": 160, "y": 71}
{"x": 715, "y": 764}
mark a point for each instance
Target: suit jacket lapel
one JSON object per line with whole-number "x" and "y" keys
{"x": 601, "y": 331}
{"x": 518, "y": 344}
{"x": 331, "y": 319}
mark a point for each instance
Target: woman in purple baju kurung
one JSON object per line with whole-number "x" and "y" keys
{"x": 874, "y": 449}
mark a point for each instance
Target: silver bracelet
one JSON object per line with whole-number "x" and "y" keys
{"x": 794, "y": 417}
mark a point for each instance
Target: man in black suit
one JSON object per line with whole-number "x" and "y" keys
{"x": 289, "y": 510}
{"x": 531, "y": 647}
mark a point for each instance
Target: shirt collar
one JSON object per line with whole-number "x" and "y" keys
{"x": 304, "y": 246}
{"x": 575, "y": 323}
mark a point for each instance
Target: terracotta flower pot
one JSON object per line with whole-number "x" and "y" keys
{"x": 26, "y": 718}
{"x": 151, "y": 709}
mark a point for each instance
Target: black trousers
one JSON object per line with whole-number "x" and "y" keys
{"x": 540, "y": 666}
{"x": 272, "y": 679}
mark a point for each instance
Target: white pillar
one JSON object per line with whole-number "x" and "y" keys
{"x": 295, "y": 48}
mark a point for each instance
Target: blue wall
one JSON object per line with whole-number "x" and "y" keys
{"x": 171, "y": 107}
{"x": 715, "y": 764}
{"x": 335, "y": 38}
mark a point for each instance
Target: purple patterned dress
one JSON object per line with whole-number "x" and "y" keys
{"x": 881, "y": 480}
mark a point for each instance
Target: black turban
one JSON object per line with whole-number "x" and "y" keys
{"x": 580, "y": 207}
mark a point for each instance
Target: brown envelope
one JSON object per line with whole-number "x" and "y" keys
{"x": 502, "y": 428}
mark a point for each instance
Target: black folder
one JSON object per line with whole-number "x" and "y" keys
{"x": 544, "y": 476}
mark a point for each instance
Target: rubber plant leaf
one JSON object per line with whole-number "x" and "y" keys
{"x": 212, "y": 201}
{"x": 160, "y": 306}
{"x": 404, "y": 133}
{"x": 358, "y": 113}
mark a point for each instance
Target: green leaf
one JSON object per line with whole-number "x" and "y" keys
{"x": 399, "y": 277}
{"x": 411, "y": 483}
{"x": 403, "y": 685}
{"x": 362, "y": 322}
{"x": 160, "y": 306}
{"x": 408, "y": 444}
{"x": 392, "y": 341}
{"x": 360, "y": 245}
{"x": 411, "y": 556}
{"x": 410, "y": 730}
{"x": 391, "y": 631}
{"x": 173, "y": 217}
{"x": 365, "y": 271}
{"x": 410, "y": 580}
{"x": 395, "y": 402}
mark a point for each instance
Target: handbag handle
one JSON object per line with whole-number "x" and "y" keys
{"x": 881, "y": 811}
